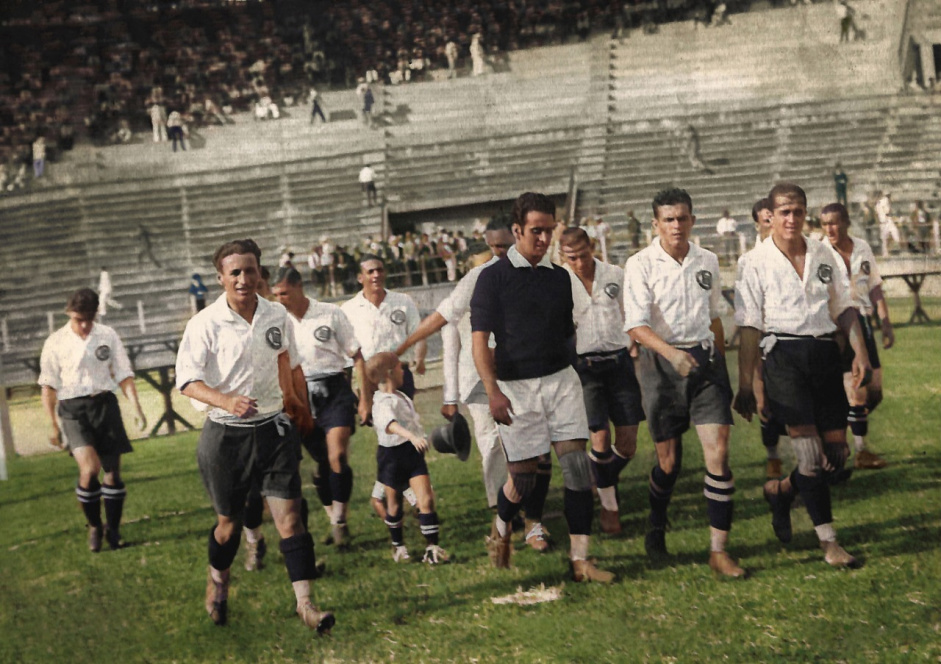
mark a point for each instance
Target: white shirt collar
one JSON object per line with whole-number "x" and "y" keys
{"x": 664, "y": 256}
{"x": 516, "y": 258}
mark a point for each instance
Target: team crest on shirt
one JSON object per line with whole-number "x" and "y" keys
{"x": 865, "y": 268}
{"x": 323, "y": 334}
{"x": 825, "y": 273}
{"x": 103, "y": 352}
{"x": 273, "y": 337}
{"x": 397, "y": 317}
{"x": 612, "y": 290}
{"x": 704, "y": 279}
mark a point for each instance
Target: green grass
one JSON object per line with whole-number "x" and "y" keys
{"x": 59, "y": 603}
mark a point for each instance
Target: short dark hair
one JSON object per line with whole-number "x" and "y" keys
{"x": 497, "y": 223}
{"x": 837, "y": 208}
{"x": 672, "y": 196}
{"x": 264, "y": 272}
{"x": 290, "y": 275}
{"x": 760, "y": 204}
{"x": 235, "y": 247}
{"x": 83, "y": 301}
{"x": 531, "y": 202}
{"x": 365, "y": 258}
{"x": 573, "y": 235}
{"x": 787, "y": 190}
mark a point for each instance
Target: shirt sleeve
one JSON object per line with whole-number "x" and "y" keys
{"x": 637, "y": 296}
{"x": 345, "y": 333}
{"x": 841, "y": 297}
{"x": 739, "y": 305}
{"x": 483, "y": 305}
{"x": 192, "y": 356}
{"x": 752, "y": 298}
{"x": 49, "y": 370}
{"x": 875, "y": 277}
{"x": 717, "y": 305}
{"x": 453, "y": 307}
{"x": 451, "y": 340}
{"x": 383, "y": 414}
{"x": 290, "y": 342}
{"x": 120, "y": 363}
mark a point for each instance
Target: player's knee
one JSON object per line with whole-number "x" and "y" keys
{"x": 523, "y": 482}
{"x": 576, "y": 471}
{"x": 809, "y": 455}
{"x": 625, "y": 446}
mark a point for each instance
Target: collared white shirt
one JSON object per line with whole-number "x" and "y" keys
{"x": 863, "y": 273}
{"x": 325, "y": 339}
{"x": 516, "y": 258}
{"x": 76, "y": 367}
{"x": 678, "y": 301}
{"x": 599, "y": 315}
{"x": 383, "y": 328}
{"x": 231, "y": 355}
{"x": 460, "y": 372}
{"x": 739, "y": 313}
{"x": 388, "y": 407}
{"x": 775, "y": 299}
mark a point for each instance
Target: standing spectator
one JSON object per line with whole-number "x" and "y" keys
{"x": 158, "y": 119}
{"x": 839, "y": 182}
{"x": 450, "y": 52}
{"x": 845, "y": 13}
{"x": 39, "y": 156}
{"x": 477, "y": 55}
{"x": 315, "y": 106}
{"x": 81, "y": 365}
{"x": 602, "y": 233}
{"x": 633, "y": 229}
{"x": 887, "y": 226}
{"x": 104, "y": 292}
{"x": 920, "y": 222}
{"x": 197, "y": 292}
{"x": 175, "y": 129}
{"x": 726, "y": 229}
{"x": 367, "y": 179}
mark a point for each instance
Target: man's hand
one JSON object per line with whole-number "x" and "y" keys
{"x": 421, "y": 444}
{"x": 501, "y": 408}
{"x": 140, "y": 420}
{"x": 448, "y": 411}
{"x": 242, "y": 406}
{"x": 683, "y": 362}
{"x": 888, "y": 334}
{"x": 744, "y": 403}
{"x": 420, "y": 367}
{"x": 835, "y": 455}
{"x": 365, "y": 412}
{"x": 55, "y": 440}
{"x": 862, "y": 372}
{"x": 300, "y": 415}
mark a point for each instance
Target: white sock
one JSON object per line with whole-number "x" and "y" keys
{"x": 579, "y": 547}
{"x": 826, "y": 532}
{"x": 859, "y": 443}
{"x": 718, "y": 539}
{"x": 301, "y": 591}
{"x": 339, "y": 513}
{"x": 608, "y": 498}
{"x": 501, "y": 526}
{"x": 252, "y": 535}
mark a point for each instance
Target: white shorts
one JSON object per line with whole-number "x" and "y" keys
{"x": 545, "y": 410}
{"x": 889, "y": 229}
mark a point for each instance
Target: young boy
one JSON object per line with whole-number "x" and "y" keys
{"x": 402, "y": 464}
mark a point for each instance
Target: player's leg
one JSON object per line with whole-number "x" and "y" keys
{"x": 863, "y": 401}
{"x": 393, "y": 520}
{"x": 662, "y": 479}
{"x": 88, "y": 492}
{"x": 428, "y": 518}
{"x": 255, "y": 546}
{"x": 492, "y": 457}
{"x": 771, "y": 429}
{"x": 341, "y": 481}
{"x": 536, "y": 534}
{"x": 113, "y": 493}
{"x": 719, "y": 486}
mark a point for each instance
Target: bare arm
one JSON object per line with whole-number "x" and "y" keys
{"x": 238, "y": 405}
{"x": 431, "y": 324}
{"x": 421, "y": 349}
{"x": 877, "y": 297}
{"x": 719, "y": 333}
{"x": 50, "y": 400}
{"x": 130, "y": 391}
{"x": 682, "y": 361}
{"x": 744, "y": 403}
{"x": 862, "y": 371}
{"x": 500, "y": 406}
{"x": 296, "y": 408}
{"x": 396, "y": 429}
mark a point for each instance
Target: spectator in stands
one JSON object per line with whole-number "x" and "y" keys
{"x": 175, "y": 129}
{"x": 367, "y": 180}
{"x": 846, "y": 15}
{"x": 104, "y": 293}
{"x": 633, "y": 229}
{"x": 920, "y": 223}
{"x": 839, "y": 182}
{"x": 213, "y": 111}
{"x": 601, "y": 235}
{"x": 197, "y": 293}
{"x": 315, "y": 105}
{"x": 451, "y": 53}
{"x": 726, "y": 229}
{"x": 887, "y": 226}
{"x": 692, "y": 150}
{"x": 477, "y": 55}
{"x": 39, "y": 156}
{"x": 158, "y": 119}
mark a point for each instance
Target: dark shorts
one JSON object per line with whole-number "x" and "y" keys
{"x": 333, "y": 405}
{"x": 870, "y": 338}
{"x": 672, "y": 402}
{"x": 399, "y": 464}
{"x": 804, "y": 384}
{"x": 94, "y": 422}
{"x": 611, "y": 389}
{"x": 232, "y": 458}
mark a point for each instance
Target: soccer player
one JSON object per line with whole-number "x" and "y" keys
{"x": 461, "y": 383}
{"x": 325, "y": 341}
{"x": 238, "y": 360}
{"x": 81, "y": 365}
{"x": 866, "y": 291}
{"x": 794, "y": 300}
{"x": 771, "y": 428}
{"x": 671, "y": 304}
{"x": 605, "y": 368}
{"x": 533, "y": 391}
{"x": 382, "y": 320}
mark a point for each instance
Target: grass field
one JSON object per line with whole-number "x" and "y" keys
{"x": 59, "y": 603}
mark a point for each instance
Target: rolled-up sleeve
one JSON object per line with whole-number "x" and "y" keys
{"x": 637, "y": 296}
{"x": 49, "y": 373}
{"x": 121, "y": 364}
{"x": 192, "y": 356}
{"x": 383, "y": 414}
{"x": 841, "y": 298}
{"x": 748, "y": 291}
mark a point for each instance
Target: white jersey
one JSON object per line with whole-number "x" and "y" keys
{"x": 863, "y": 273}
{"x": 389, "y": 407}
{"x": 76, "y": 367}
{"x": 383, "y": 328}
{"x": 325, "y": 339}
{"x": 678, "y": 301}
{"x": 739, "y": 313}
{"x": 599, "y": 315}
{"x": 775, "y": 299}
{"x": 233, "y": 356}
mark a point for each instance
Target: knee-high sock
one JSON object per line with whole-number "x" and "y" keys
{"x": 816, "y": 493}
{"x": 578, "y": 507}
{"x": 394, "y": 523}
{"x": 429, "y": 526}
{"x": 718, "y": 491}
{"x": 114, "y": 495}
{"x": 89, "y": 497}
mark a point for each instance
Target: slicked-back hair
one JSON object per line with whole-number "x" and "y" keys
{"x": 573, "y": 236}
{"x": 497, "y": 224}
{"x": 235, "y": 248}
{"x": 365, "y": 258}
{"x": 760, "y": 204}
{"x": 289, "y": 275}
{"x": 531, "y": 202}
{"x": 671, "y": 197}
{"x": 787, "y": 190}
{"x": 83, "y": 301}
{"x": 837, "y": 208}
